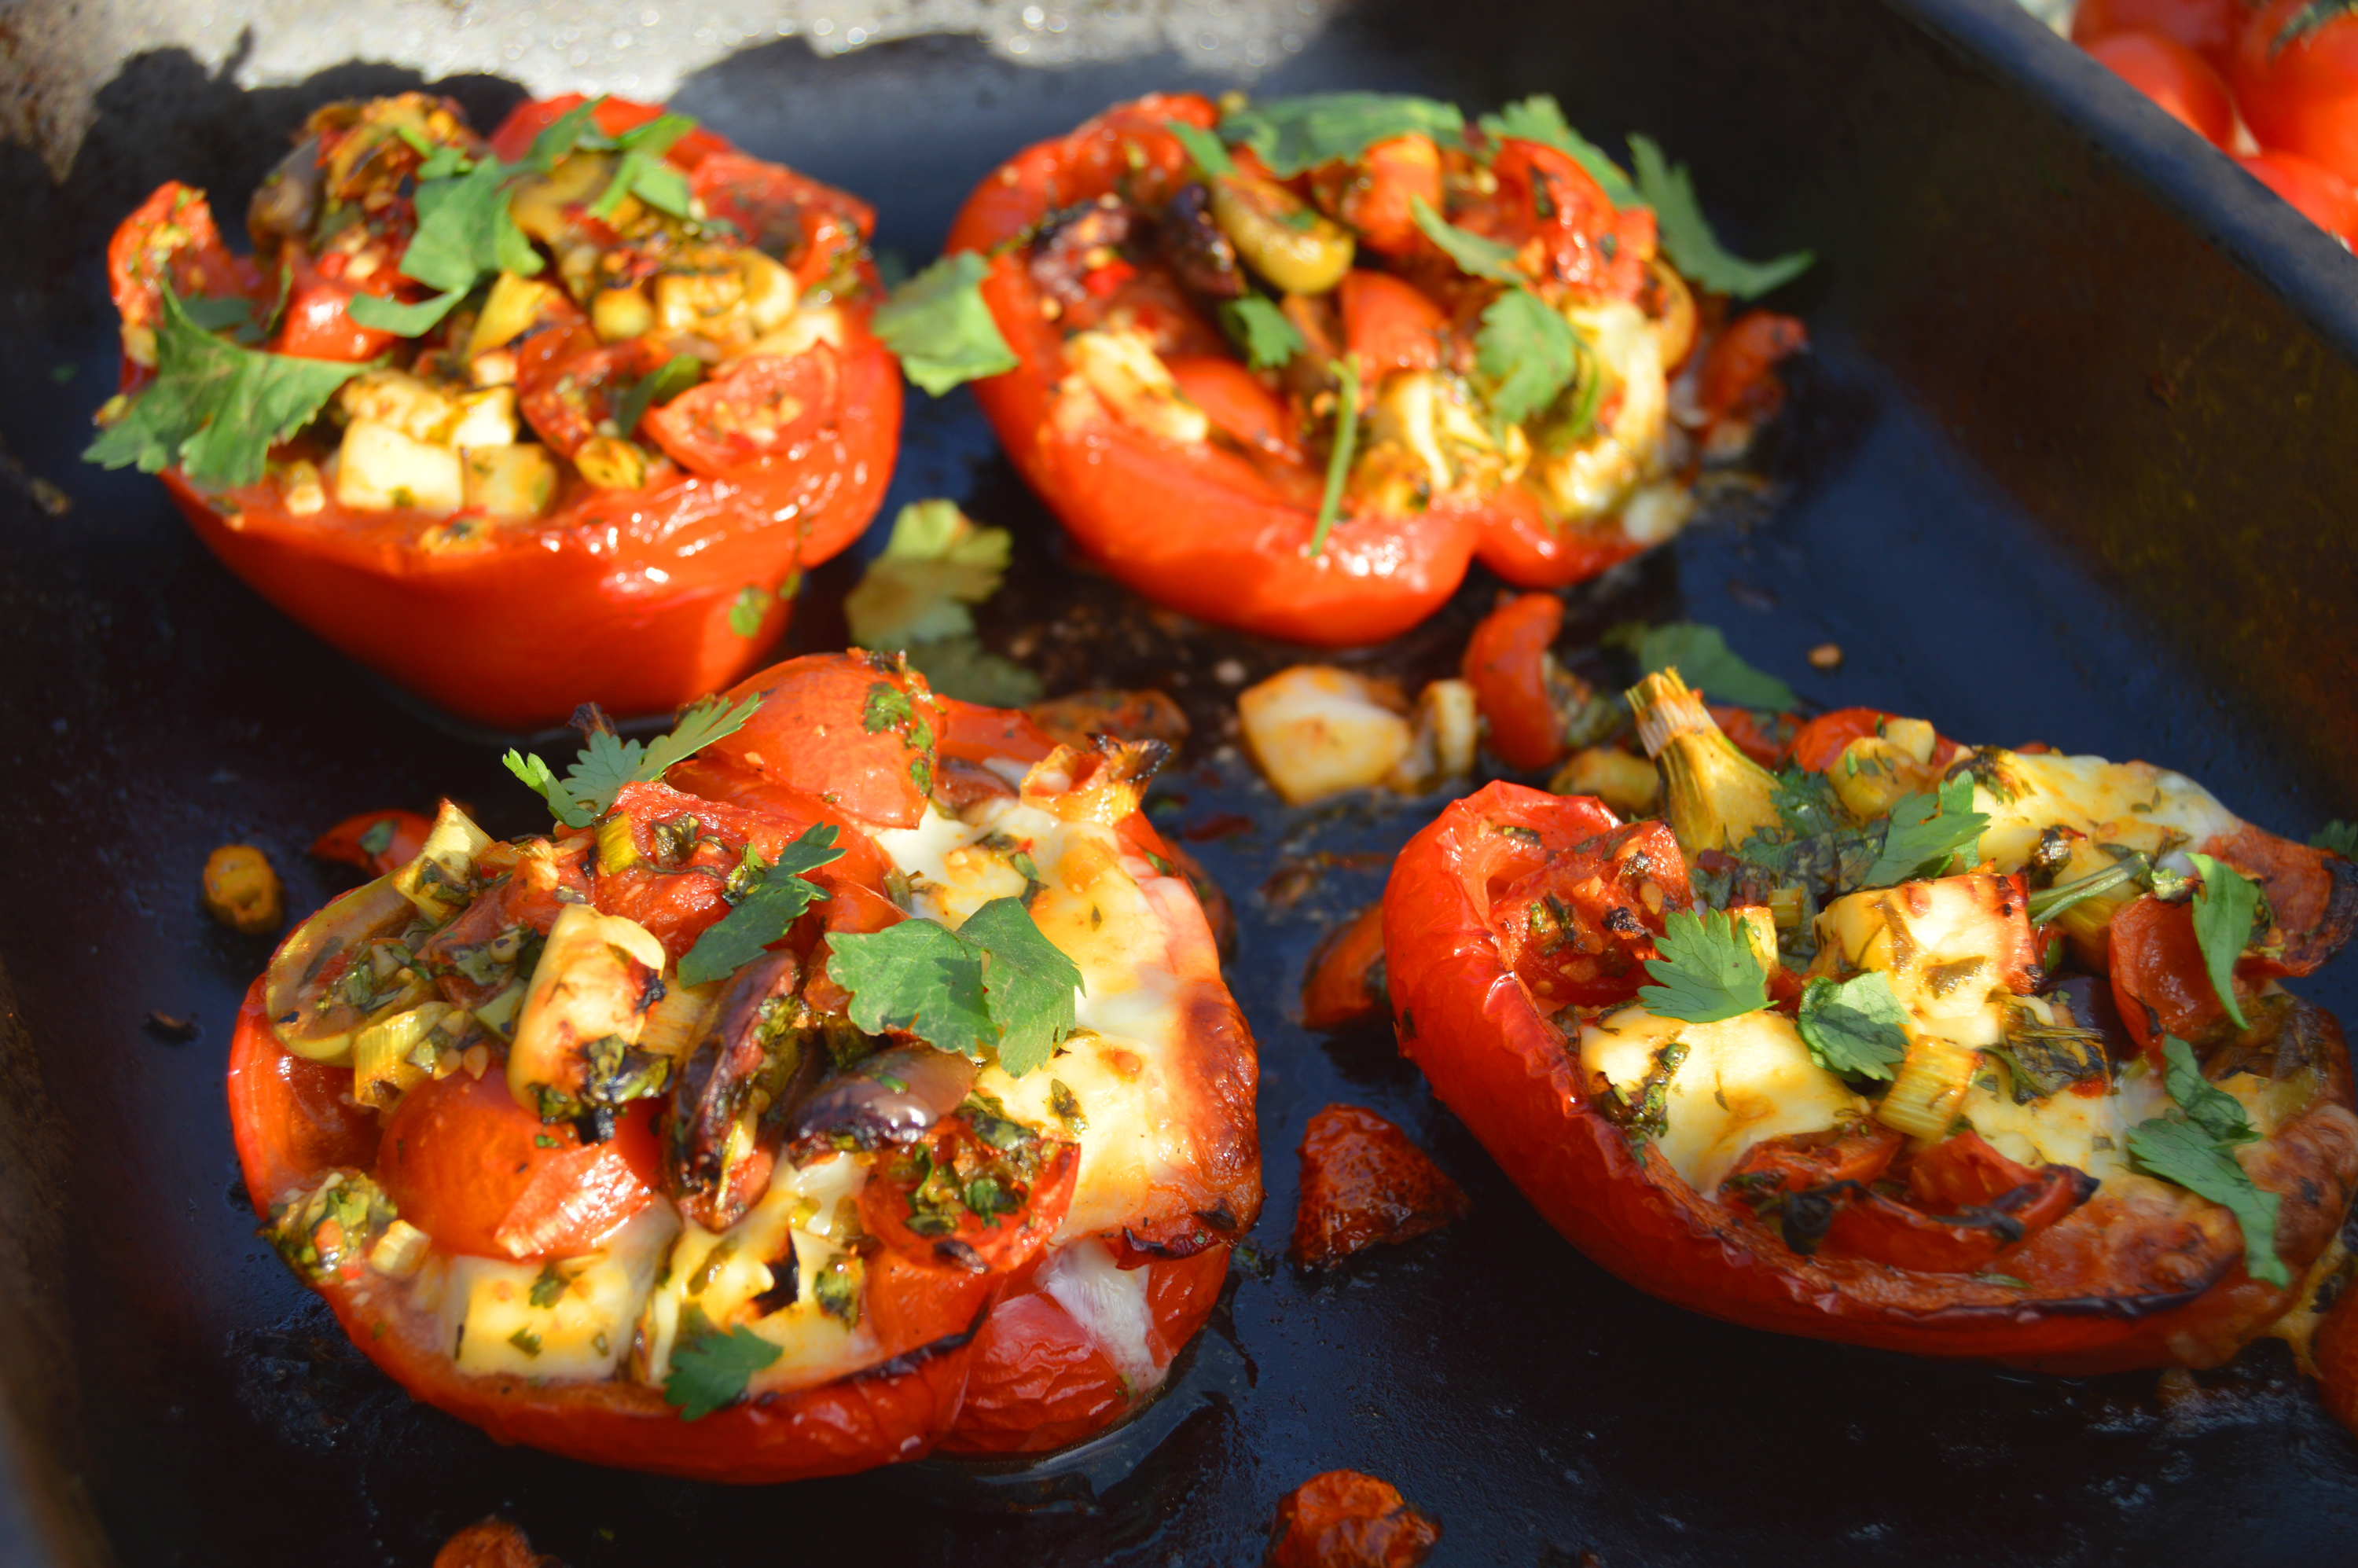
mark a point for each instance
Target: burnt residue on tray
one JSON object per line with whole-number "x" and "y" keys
{"x": 1949, "y": 468}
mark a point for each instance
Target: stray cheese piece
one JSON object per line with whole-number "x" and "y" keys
{"x": 1317, "y": 731}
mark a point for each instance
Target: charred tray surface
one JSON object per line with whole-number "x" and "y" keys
{"x": 2057, "y": 470}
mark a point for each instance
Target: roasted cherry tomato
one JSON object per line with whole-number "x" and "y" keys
{"x": 508, "y": 578}
{"x": 1365, "y": 1184}
{"x": 2298, "y": 85}
{"x": 2323, "y": 197}
{"x": 1578, "y": 930}
{"x": 2178, "y": 79}
{"x": 1345, "y": 983}
{"x": 1819, "y": 744}
{"x": 1345, "y": 1520}
{"x": 2206, "y": 27}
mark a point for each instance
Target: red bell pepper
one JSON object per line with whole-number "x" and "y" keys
{"x": 1224, "y": 530}
{"x": 2088, "y": 1291}
{"x": 637, "y": 599}
{"x": 973, "y": 1345}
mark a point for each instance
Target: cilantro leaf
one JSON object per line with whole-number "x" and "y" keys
{"x": 2338, "y": 838}
{"x": 1701, "y": 654}
{"x": 1686, "y": 234}
{"x": 1708, "y": 970}
{"x": 1258, "y": 328}
{"x": 1853, "y": 1027}
{"x": 2226, "y": 907}
{"x": 919, "y": 978}
{"x": 1526, "y": 354}
{"x": 1539, "y": 119}
{"x": 762, "y": 916}
{"x": 215, "y": 409}
{"x": 659, "y": 386}
{"x": 644, "y": 173}
{"x": 561, "y": 135}
{"x": 2214, "y": 1110}
{"x": 938, "y": 325}
{"x": 1028, "y": 982}
{"x": 1211, "y": 157}
{"x": 961, "y": 668}
{"x": 1925, "y": 831}
{"x": 608, "y": 762}
{"x": 1294, "y": 134}
{"x": 937, "y": 562}
{"x": 464, "y": 231}
{"x": 1475, "y": 254}
{"x": 710, "y": 1371}
{"x": 2182, "y": 1153}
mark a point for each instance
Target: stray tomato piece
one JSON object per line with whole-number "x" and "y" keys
{"x": 858, "y": 731}
{"x": 2206, "y": 27}
{"x": 1742, "y": 726}
{"x": 1738, "y": 387}
{"x": 1546, "y": 196}
{"x": 1507, "y": 662}
{"x": 241, "y": 892}
{"x": 380, "y": 842}
{"x": 2322, "y": 196}
{"x": 2299, "y": 91}
{"x": 492, "y": 1543}
{"x": 2160, "y": 983}
{"x": 1347, "y": 1519}
{"x": 1345, "y": 983}
{"x": 1364, "y": 1183}
{"x": 764, "y": 404}
{"x": 1578, "y": 930}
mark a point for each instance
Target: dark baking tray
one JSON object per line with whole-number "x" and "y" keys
{"x": 2070, "y": 463}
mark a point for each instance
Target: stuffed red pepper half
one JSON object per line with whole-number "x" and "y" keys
{"x": 1957, "y": 1051}
{"x": 849, "y": 1076}
{"x": 560, "y": 415}
{"x": 1290, "y": 366}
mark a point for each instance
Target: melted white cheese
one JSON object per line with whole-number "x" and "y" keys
{"x": 1109, "y": 1303}
{"x": 488, "y": 1314}
{"x": 2133, "y": 804}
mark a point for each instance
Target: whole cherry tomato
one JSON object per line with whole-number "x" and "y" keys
{"x": 2206, "y": 27}
{"x": 2176, "y": 78}
{"x": 2298, "y": 92}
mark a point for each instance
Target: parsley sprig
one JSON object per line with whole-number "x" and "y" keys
{"x": 1687, "y": 237}
{"x": 608, "y": 762}
{"x": 1258, "y": 328}
{"x": 1925, "y": 834}
{"x": 2192, "y": 1147}
{"x": 1477, "y": 256}
{"x": 1294, "y": 134}
{"x": 995, "y": 985}
{"x": 2226, "y": 906}
{"x": 464, "y": 232}
{"x": 709, "y": 1369}
{"x": 773, "y": 904}
{"x": 1853, "y": 1027}
{"x": 1703, "y": 658}
{"x": 940, "y": 328}
{"x": 2338, "y": 837}
{"x": 1707, "y": 970}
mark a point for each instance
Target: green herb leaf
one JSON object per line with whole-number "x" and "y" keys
{"x": 2214, "y": 1110}
{"x": 1703, "y": 661}
{"x": 2225, "y": 906}
{"x": 1338, "y": 459}
{"x": 658, "y": 386}
{"x": 937, "y": 562}
{"x": 1211, "y": 157}
{"x": 2182, "y": 1153}
{"x": 919, "y": 978}
{"x": 217, "y": 315}
{"x": 762, "y": 916}
{"x": 644, "y": 174}
{"x": 2340, "y": 837}
{"x": 1853, "y": 1027}
{"x": 1473, "y": 253}
{"x": 403, "y": 320}
{"x": 1925, "y": 832}
{"x": 1708, "y": 970}
{"x": 1258, "y": 327}
{"x": 938, "y": 325}
{"x": 1294, "y": 134}
{"x": 1028, "y": 982}
{"x": 709, "y": 1371}
{"x": 961, "y": 668}
{"x": 608, "y": 762}
{"x": 215, "y": 409}
{"x": 1538, "y": 119}
{"x": 1525, "y": 353}
{"x": 1687, "y": 237}
{"x": 746, "y": 610}
{"x": 464, "y": 231}
{"x": 559, "y": 139}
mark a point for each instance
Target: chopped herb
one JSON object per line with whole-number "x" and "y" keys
{"x": 941, "y": 329}
{"x": 378, "y": 839}
{"x": 1539, "y": 119}
{"x": 1066, "y": 1106}
{"x": 771, "y": 904}
{"x": 836, "y": 1287}
{"x": 1686, "y": 234}
{"x": 548, "y": 1288}
{"x": 1703, "y": 660}
{"x": 2214, "y": 1110}
{"x": 1211, "y": 158}
{"x": 1475, "y": 254}
{"x": 1258, "y": 327}
{"x": 1644, "y": 1111}
{"x": 1853, "y": 1027}
{"x": 1294, "y": 134}
{"x": 608, "y": 763}
{"x": 214, "y": 410}
{"x": 1525, "y": 353}
{"x": 2225, "y": 906}
{"x": 464, "y": 231}
{"x": 962, "y": 667}
{"x": 995, "y": 984}
{"x": 745, "y": 612}
{"x": 658, "y": 387}
{"x": 1707, "y": 969}
{"x": 1927, "y": 832}
{"x": 1338, "y": 461}
{"x": 644, "y": 173}
{"x": 525, "y": 1340}
{"x": 711, "y": 1369}
{"x": 937, "y": 562}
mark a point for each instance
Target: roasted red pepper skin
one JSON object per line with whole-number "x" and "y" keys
{"x": 2088, "y": 1304}
{"x": 1364, "y": 1183}
{"x": 1242, "y": 557}
{"x": 624, "y": 598}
